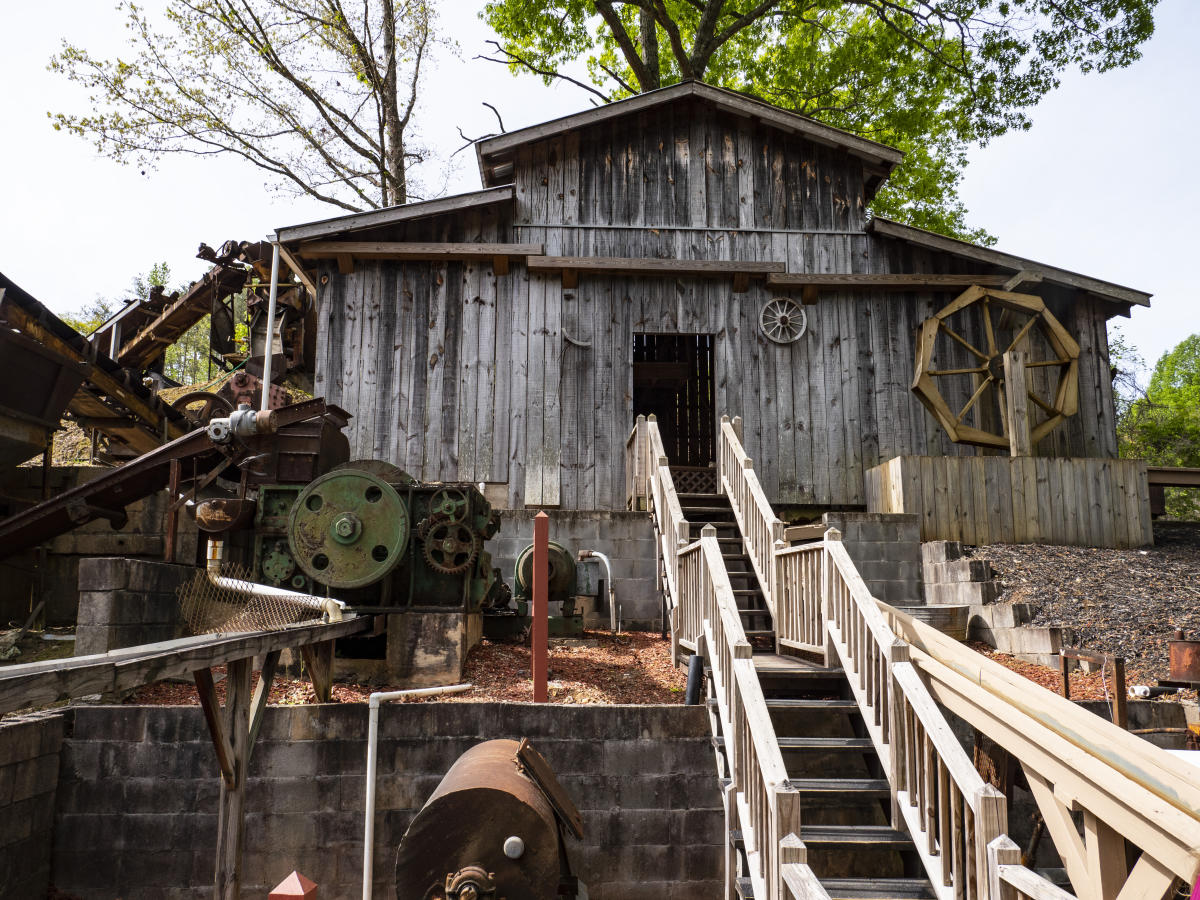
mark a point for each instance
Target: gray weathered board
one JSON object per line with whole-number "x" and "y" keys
{"x": 455, "y": 373}
{"x": 1018, "y": 500}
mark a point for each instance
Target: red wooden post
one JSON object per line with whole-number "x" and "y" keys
{"x": 541, "y": 560}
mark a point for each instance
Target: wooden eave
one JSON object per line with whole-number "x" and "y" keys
{"x": 495, "y": 154}
{"x": 345, "y": 252}
{"x": 376, "y": 218}
{"x": 1105, "y": 290}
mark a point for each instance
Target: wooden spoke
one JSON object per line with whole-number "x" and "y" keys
{"x": 1047, "y": 362}
{"x": 946, "y": 328}
{"x": 1043, "y": 404}
{"x": 978, "y": 371}
{"x": 987, "y": 327}
{"x": 975, "y": 396}
{"x": 1021, "y": 334}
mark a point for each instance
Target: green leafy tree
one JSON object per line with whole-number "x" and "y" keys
{"x": 928, "y": 76}
{"x": 1163, "y": 425}
{"x": 318, "y": 94}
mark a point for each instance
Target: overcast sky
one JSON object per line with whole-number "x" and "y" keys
{"x": 1098, "y": 185}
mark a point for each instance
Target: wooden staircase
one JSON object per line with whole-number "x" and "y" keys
{"x": 714, "y": 509}
{"x": 854, "y": 848}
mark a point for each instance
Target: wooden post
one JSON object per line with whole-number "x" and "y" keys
{"x": 1001, "y": 852}
{"x": 231, "y": 805}
{"x": 541, "y": 552}
{"x": 318, "y": 660}
{"x": 1064, "y": 663}
{"x": 1016, "y": 390}
{"x": 1120, "y": 710}
{"x": 788, "y": 846}
{"x": 172, "y": 512}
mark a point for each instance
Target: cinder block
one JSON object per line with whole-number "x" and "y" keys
{"x": 942, "y": 551}
{"x": 959, "y": 570}
{"x": 963, "y": 593}
{"x": 880, "y": 570}
{"x": 155, "y": 577}
{"x": 91, "y": 639}
{"x": 34, "y": 777}
{"x": 103, "y": 573}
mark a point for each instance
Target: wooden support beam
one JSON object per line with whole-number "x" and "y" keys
{"x": 216, "y": 727}
{"x": 1016, "y": 407}
{"x": 415, "y": 251}
{"x": 262, "y": 694}
{"x": 227, "y": 879}
{"x": 570, "y": 266}
{"x": 298, "y": 268}
{"x": 900, "y": 281}
{"x": 500, "y": 265}
{"x": 345, "y": 263}
{"x": 318, "y": 661}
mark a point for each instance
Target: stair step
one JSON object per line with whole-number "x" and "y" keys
{"x": 745, "y": 888}
{"x": 759, "y": 632}
{"x": 746, "y": 592}
{"x": 815, "y": 743}
{"x": 854, "y": 835}
{"x": 878, "y": 888}
{"x": 772, "y": 664}
{"x": 695, "y": 513}
{"x": 708, "y": 498}
{"x": 797, "y": 703}
{"x": 870, "y": 787}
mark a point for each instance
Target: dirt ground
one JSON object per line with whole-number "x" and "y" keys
{"x": 602, "y": 668}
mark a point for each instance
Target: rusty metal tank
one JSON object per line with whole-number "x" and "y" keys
{"x": 1184, "y": 658}
{"x": 488, "y": 831}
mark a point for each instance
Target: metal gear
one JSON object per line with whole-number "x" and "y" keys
{"x": 449, "y": 503}
{"x": 450, "y": 547}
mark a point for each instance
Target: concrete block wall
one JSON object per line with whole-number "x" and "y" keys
{"x": 952, "y": 577}
{"x": 124, "y": 602}
{"x": 58, "y": 584}
{"x": 29, "y": 761}
{"x": 886, "y": 549}
{"x": 137, "y": 801}
{"x": 626, "y": 538}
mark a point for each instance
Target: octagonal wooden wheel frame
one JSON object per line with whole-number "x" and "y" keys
{"x": 1065, "y": 401}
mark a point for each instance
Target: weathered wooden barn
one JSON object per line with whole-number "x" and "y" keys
{"x": 688, "y": 252}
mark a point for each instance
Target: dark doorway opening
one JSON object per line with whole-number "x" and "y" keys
{"x": 674, "y": 378}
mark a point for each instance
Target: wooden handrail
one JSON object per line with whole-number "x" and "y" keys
{"x": 1009, "y": 880}
{"x": 951, "y": 813}
{"x": 1075, "y": 762}
{"x": 761, "y": 529}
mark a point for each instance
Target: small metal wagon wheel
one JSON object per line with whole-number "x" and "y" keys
{"x": 201, "y": 407}
{"x": 783, "y": 320}
{"x": 987, "y": 310}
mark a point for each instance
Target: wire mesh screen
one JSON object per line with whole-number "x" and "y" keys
{"x": 230, "y": 603}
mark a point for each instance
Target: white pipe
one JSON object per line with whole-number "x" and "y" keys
{"x": 216, "y": 552}
{"x": 372, "y": 741}
{"x": 269, "y": 349}
{"x": 612, "y": 592}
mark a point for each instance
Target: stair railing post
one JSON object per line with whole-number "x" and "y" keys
{"x": 786, "y": 818}
{"x": 991, "y": 823}
{"x": 827, "y": 576}
{"x": 898, "y": 654}
{"x": 1001, "y": 852}
{"x": 721, "y": 448}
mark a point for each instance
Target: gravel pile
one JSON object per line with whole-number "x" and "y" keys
{"x": 1124, "y": 602}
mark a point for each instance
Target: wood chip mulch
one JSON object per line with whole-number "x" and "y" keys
{"x": 1122, "y": 602}
{"x": 1091, "y": 686}
{"x": 630, "y": 667}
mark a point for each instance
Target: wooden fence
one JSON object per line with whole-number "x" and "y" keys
{"x": 1017, "y": 500}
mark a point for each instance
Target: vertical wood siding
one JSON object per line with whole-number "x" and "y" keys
{"x": 454, "y": 373}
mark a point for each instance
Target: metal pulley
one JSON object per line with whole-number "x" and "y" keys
{"x": 348, "y": 529}
{"x": 560, "y": 578}
{"x": 490, "y": 830}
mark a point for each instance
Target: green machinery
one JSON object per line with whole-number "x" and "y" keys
{"x": 506, "y": 622}
{"x": 374, "y": 537}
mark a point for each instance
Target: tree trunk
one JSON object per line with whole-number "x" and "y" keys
{"x": 395, "y": 186}
{"x": 649, "y": 39}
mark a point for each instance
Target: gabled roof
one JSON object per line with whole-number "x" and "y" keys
{"x": 391, "y": 215}
{"x": 1105, "y": 289}
{"x": 494, "y": 153}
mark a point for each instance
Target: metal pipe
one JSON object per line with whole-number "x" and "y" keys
{"x": 269, "y": 348}
{"x": 612, "y": 591}
{"x": 216, "y": 553}
{"x": 372, "y": 741}
{"x": 695, "y": 678}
